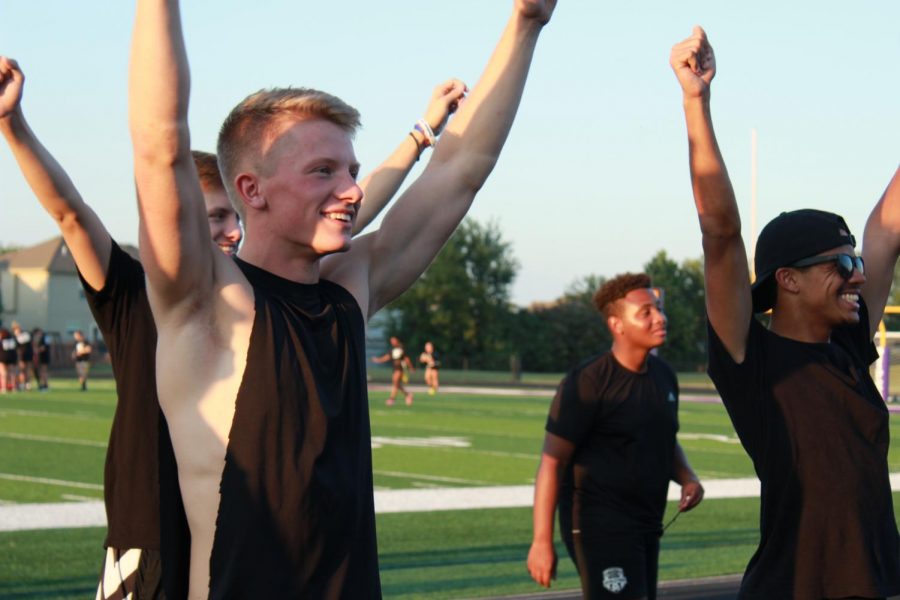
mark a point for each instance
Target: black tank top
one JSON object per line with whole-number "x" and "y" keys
{"x": 296, "y": 516}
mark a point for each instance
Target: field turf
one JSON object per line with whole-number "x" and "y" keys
{"x": 52, "y": 449}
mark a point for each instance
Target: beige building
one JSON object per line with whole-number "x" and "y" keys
{"x": 39, "y": 287}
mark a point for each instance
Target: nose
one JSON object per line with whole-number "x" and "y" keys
{"x": 857, "y": 276}
{"x": 660, "y": 317}
{"x": 234, "y": 232}
{"x": 352, "y": 192}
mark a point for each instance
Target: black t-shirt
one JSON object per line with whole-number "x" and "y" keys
{"x": 296, "y": 517}
{"x": 816, "y": 429}
{"x": 623, "y": 426}
{"x": 131, "y": 476}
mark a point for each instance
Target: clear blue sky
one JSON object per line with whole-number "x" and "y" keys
{"x": 594, "y": 175}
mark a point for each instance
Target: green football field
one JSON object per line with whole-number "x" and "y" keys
{"x": 52, "y": 449}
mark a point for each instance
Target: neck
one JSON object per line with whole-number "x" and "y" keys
{"x": 799, "y": 327}
{"x": 630, "y": 357}
{"x": 287, "y": 263}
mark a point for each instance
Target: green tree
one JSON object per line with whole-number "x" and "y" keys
{"x": 461, "y": 303}
{"x": 557, "y": 336}
{"x": 685, "y": 307}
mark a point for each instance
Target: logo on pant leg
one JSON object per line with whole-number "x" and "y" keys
{"x": 614, "y": 579}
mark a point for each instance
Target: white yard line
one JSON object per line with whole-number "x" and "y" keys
{"x": 47, "y": 481}
{"x": 17, "y": 517}
{"x": 53, "y": 440}
{"x": 421, "y": 477}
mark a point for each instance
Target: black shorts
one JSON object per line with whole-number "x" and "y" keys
{"x": 615, "y": 565}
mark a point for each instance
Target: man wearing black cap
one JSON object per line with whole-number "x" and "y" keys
{"x": 799, "y": 393}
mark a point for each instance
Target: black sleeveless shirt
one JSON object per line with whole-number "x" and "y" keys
{"x": 296, "y": 516}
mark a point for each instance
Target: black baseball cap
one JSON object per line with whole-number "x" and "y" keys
{"x": 789, "y": 237}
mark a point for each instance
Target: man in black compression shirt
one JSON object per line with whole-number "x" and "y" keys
{"x": 799, "y": 393}
{"x": 610, "y": 452}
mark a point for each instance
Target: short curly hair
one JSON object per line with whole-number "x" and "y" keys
{"x": 616, "y": 289}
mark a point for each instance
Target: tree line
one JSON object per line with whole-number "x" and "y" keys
{"x": 462, "y": 304}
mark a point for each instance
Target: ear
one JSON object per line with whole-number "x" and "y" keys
{"x": 249, "y": 190}
{"x": 615, "y": 325}
{"x": 788, "y": 279}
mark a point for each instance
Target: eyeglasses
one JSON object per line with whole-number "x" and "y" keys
{"x": 845, "y": 263}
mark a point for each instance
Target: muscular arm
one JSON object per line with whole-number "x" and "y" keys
{"x": 175, "y": 243}
{"x": 881, "y": 248}
{"x": 380, "y": 185}
{"x": 424, "y": 217}
{"x": 82, "y": 230}
{"x": 542, "y": 557}
{"x": 728, "y": 301}
{"x": 691, "y": 490}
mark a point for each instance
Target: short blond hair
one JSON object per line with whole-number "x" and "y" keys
{"x": 244, "y": 132}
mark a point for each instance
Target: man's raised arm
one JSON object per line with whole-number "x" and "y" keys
{"x": 175, "y": 246}
{"x": 82, "y": 230}
{"x": 881, "y": 248}
{"x": 728, "y": 301}
{"x": 425, "y": 216}
{"x": 380, "y": 185}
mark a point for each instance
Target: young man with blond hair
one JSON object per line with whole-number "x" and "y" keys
{"x": 610, "y": 452}
{"x": 264, "y": 387}
{"x": 140, "y": 479}
{"x": 799, "y": 392}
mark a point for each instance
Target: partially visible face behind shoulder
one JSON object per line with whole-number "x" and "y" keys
{"x": 222, "y": 218}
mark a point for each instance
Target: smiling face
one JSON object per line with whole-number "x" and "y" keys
{"x": 307, "y": 186}
{"x": 826, "y": 295}
{"x": 638, "y": 320}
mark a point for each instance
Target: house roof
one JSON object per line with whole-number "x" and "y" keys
{"x": 52, "y": 255}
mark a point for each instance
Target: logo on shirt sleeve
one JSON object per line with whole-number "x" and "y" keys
{"x": 614, "y": 579}
{"x": 671, "y": 397}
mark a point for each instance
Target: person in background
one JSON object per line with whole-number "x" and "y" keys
{"x": 24, "y": 357}
{"x": 432, "y": 365}
{"x": 7, "y": 360}
{"x": 41, "y": 342}
{"x": 610, "y": 452}
{"x": 400, "y": 362}
{"x": 81, "y": 354}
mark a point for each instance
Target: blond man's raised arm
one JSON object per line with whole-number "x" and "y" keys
{"x": 175, "y": 243}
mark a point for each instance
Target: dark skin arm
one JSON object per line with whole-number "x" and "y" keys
{"x": 542, "y": 559}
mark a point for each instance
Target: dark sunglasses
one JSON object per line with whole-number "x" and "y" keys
{"x": 845, "y": 263}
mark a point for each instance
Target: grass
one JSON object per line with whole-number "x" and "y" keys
{"x": 444, "y": 441}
